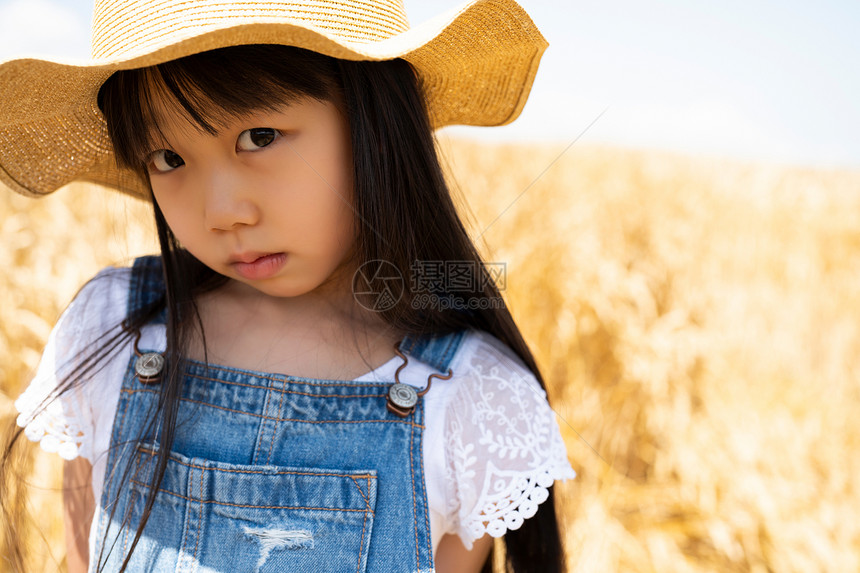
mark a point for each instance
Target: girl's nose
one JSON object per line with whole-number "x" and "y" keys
{"x": 229, "y": 206}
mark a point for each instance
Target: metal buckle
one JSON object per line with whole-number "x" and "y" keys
{"x": 402, "y": 398}
{"x": 149, "y": 365}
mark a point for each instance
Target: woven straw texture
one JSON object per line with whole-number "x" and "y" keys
{"x": 476, "y": 64}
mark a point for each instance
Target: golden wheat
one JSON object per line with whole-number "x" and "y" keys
{"x": 698, "y": 322}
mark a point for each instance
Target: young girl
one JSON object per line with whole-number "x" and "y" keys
{"x": 318, "y": 372}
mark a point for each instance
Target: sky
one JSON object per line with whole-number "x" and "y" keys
{"x": 756, "y": 80}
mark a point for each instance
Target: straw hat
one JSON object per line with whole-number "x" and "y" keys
{"x": 476, "y": 63}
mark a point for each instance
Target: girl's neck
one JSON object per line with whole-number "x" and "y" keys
{"x": 313, "y": 335}
{"x": 313, "y": 308}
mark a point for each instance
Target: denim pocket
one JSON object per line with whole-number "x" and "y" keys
{"x": 213, "y": 516}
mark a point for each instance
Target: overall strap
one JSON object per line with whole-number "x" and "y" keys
{"x": 435, "y": 350}
{"x": 147, "y": 286}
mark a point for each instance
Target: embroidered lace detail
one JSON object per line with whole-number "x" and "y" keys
{"x": 57, "y": 426}
{"x": 503, "y": 445}
{"x": 63, "y": 423}
{"x": 57, "y": 423}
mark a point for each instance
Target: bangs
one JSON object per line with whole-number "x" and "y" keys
{"x": 209, "y": 90}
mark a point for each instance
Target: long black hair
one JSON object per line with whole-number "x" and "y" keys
{"x": 403, "y": 212}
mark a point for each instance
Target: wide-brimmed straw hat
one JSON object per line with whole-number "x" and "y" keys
{"x": 476, "y": 64}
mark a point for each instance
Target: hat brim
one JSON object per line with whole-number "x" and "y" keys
{"x": 476, "y": 64}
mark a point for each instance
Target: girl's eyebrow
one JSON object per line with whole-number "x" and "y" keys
{"x": 152, "y": 142}
{"x": 157, "y": 141}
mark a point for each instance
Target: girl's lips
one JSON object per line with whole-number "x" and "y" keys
{"x": 262, "y": 267}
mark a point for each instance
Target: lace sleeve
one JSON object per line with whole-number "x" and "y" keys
{"x": 503, "y": 446}
{"x": 62, "y": 421}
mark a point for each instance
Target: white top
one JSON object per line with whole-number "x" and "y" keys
{"x": 491, "y": 443}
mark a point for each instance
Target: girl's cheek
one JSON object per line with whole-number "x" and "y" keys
{"x": 167, "y": 191}
{"x": 171, "y": 204}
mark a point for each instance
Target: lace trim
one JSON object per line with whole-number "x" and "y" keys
{"x": 55, "y": 428}
{"x": 514, "y": 499}
{"x": 503, "y": 445}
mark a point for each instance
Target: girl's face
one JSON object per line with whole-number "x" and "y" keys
{"x": 266, "y": 201}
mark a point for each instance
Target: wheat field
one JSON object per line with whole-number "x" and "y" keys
{"x": 697, "y": 321}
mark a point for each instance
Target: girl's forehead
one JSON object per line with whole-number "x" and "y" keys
{"x": 164, "y": 108}
{"x": 182, "y": 105}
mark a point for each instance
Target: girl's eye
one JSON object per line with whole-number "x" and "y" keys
{"x": 256, "y": 138}
{"x": 165, "y": 160}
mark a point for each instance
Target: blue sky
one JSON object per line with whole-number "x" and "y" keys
{"x": 759, "y": 80}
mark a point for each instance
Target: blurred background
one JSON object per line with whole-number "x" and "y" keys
{"x": 678, "y": 209}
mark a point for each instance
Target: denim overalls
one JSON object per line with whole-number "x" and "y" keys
{"x": 269, "y": 472}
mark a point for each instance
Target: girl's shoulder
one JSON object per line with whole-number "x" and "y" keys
{"x": 482, "y": 351}
{"x": 476, "y": 354}
{"x": 484, "y": 365}
{"x": 101, "y": 301}
{"x": 502, "y": 445}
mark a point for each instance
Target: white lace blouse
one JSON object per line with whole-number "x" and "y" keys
{"x": 492, "y": 446}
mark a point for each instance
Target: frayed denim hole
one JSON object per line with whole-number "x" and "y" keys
{"x": 272, "y": 538}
